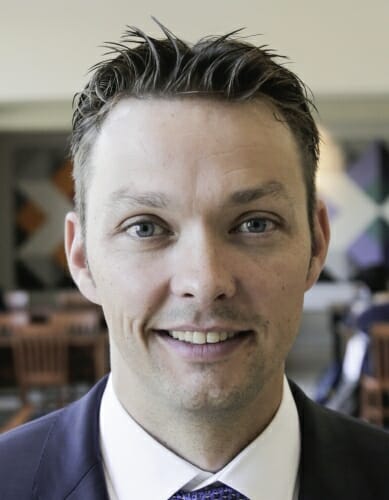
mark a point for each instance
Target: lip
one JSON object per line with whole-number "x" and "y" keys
{"x": 205, "y": 353}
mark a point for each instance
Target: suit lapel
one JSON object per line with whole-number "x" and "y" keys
{"x": 71, "y": 465}
{"x": 324, "y": 458}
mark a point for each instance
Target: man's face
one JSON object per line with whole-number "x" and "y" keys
{"x": 197, "y": 228}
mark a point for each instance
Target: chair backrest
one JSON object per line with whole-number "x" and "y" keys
{"x": 40, "y": 355}
{"x": 380, "y": 350}
{"x": 76, "y": 322}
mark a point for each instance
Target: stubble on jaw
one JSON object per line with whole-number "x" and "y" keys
{"x": 211, "y": 427}
{"x": 207, "y": 393}
{"x": 210, "y": 431}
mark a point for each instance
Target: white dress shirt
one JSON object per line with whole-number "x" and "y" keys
{"x": 138, "y": 466}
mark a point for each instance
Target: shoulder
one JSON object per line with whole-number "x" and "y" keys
{"x": 345, "y": 456}
{"x": 341, "y": 431}
{"x": 54, "y": 451}
{"x": 20, "y": 453}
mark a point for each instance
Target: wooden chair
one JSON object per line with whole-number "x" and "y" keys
{"x": 76, "y": 322}
{"x": 41, "y": 359}
{"x": 374, "y": 393}
{"x": 86, "y": 329}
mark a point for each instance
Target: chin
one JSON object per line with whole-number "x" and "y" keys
{"x": 211, "y": 399}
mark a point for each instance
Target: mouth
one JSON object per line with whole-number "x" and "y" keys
{"x": 201, "y": 337}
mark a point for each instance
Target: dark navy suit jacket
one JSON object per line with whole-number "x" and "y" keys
{"x": 58, "y": 457}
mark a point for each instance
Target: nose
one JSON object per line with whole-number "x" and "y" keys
{"x": 203, "y": 271}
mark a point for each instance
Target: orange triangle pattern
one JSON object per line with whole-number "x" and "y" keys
{"x": 30, "y": 217}
{"x": 63, "y": 179}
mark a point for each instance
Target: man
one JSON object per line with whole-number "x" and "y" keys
{"x": 198, "y": 231}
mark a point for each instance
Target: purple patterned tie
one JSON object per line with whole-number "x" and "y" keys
{"x": 221, "y": 492}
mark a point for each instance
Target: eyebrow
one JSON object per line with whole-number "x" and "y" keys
{"x": 245, "y": 196}
{"x": 152, "y": 199}
{"x": 156, "y": 199}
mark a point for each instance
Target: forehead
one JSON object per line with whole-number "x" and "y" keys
{"x": 249, "y": 123}
{"x": 191, "y": 145}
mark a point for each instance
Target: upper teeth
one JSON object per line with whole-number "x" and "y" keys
{"x": 201, "y": 337}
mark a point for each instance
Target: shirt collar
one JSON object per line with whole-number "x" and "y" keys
{"x": 135, "y": 462}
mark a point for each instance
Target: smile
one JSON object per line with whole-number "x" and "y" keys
{"x": 205, "y": 346}
{"x": 197, "y": 337}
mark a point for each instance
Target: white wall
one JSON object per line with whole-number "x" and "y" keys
{"x": 338, "y": 46}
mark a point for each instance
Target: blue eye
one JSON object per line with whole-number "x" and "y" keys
{"x": 144, "y": 229}
{"x": 256, "y": 225}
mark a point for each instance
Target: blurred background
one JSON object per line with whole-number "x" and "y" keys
{"x": 51, "y": 337}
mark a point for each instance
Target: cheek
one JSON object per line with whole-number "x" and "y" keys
{"x": 288, "y": 305}
{"x": 277, "y": 292}
{"x": 128, "y": 287}
{"x": 279, "y": 277}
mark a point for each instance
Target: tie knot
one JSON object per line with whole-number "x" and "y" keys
{"x": 221, "y": 492}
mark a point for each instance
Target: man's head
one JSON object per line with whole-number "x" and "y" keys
{"x": 197, "y": 240}
{"x": 221, "y": 68}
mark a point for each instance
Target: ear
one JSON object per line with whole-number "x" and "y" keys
{"x": 76, "y": 257}
{"x": 321, "y": 239}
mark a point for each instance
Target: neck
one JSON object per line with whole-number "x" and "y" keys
{"x": 207, "y": 439}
